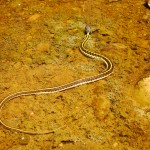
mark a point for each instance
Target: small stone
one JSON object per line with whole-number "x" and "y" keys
{"x": 146, "y": 18}
{"x": 113, "y": 1}
{"x": 115, "y": 144}
{"x": 147, "y": 58}
{"x": 33, "y": 17}
{"x": 17, "y": 65}
{"x": 43, "y": 47}
{"x": 16, "y": 3}
{"x": 142, "y": 92}
{"x": 24, "y": 139}
{"x": 134, "y": 47}
{"x": 101, "y": 107}
{"x": 29, "y": 37}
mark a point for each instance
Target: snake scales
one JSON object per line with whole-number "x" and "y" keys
{"x": 108, "y": 70}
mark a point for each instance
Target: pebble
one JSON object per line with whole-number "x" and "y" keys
{"x": 16, "y": 3}
{"x": 101, "y": 107}
{"x": 142, "y": 92}
{"x": 24, "y": 139}
{"x": 43, "y": 47}
{"x": 33, "y": 17}
{"x": 146, "y": 18}
{"x": 113, "y": 1}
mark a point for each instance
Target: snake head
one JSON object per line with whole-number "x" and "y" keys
{"x": 87, "y": 29}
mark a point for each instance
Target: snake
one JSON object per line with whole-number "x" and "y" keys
{"x": 107, "y": 71}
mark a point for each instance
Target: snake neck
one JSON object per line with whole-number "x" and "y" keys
{"x": 84, "y": 51}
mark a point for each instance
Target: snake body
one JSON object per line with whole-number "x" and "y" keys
{"x": 108, "y": 70}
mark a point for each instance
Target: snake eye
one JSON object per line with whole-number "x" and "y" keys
{"x": 87, "y": 29}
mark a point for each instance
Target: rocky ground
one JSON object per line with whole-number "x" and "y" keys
{"x": 39, "y": 48}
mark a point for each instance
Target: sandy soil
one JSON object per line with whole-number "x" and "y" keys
{"x": 39, "y": 48}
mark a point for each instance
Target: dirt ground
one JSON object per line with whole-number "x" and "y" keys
{"x": 39, "y": 48}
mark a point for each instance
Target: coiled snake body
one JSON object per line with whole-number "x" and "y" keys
{"x": 108, "y": 70}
